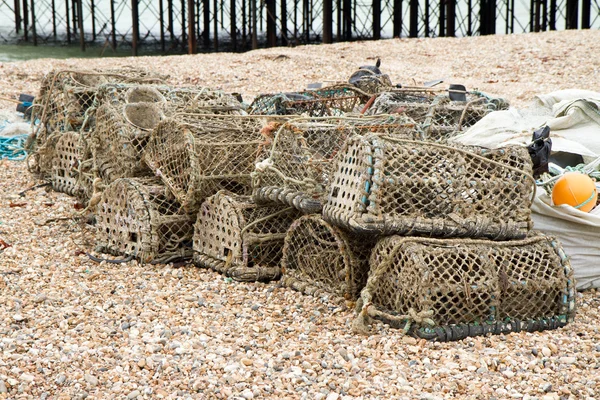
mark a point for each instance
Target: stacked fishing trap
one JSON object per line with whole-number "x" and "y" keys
{"x": 349, "y": 191}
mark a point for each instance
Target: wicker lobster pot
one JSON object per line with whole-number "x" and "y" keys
{"x": 63, "y": 103}
{"x": 120, "y": 137}
{"x": 439, "y": 117}
{"x": 137, "y": 218}
{"x": 197, "y": 159}
{"x": 240, "y": 239}
{"x": 450, "y": 289}
{"x": 320, "y": 258}
{"x": 328, "y": 101}
{"x": 385, "y": 185}
{"x": 72, "y": 166}
{"x": 295, "y": 165}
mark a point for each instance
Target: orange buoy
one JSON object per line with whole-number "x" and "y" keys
{"x": 577, "y": 190}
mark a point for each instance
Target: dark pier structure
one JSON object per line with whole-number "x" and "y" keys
{"x": 178, "y": 26}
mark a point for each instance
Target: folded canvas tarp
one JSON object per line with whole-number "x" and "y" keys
{"x": 574, "y": 120}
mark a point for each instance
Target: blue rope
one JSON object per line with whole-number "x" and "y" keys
{"x": 13, "y": 147}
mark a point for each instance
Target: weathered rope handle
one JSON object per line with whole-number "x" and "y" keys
{"x": 266, "y": 218}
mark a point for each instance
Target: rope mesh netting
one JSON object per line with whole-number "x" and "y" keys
{"x": 329, "y": 101}
{"x": 389, "y": 185}
{"x": 449, "y": 289}
{"x": 295, "y": 162}
{"x": 62, "y": 105}
{"x": 438, "y": 116}
{"x": 197, "y": 158}
{"x": 239, "y": 238}
{"x": 137, "y": 217}
{"x": 319, "y": 258}
{"x": 71, "y": 166}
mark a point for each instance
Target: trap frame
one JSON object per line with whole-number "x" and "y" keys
{"x": 391, "y": 185}
{"x": 137, "y": 217}
{"x": 319, "y": 258}
{"x": 198, "y": 155}
{"x": 238, "y": 238}
{"x": 295, "y": 163}
{"x": 454, "y": 288}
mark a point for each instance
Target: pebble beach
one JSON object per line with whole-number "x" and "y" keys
{"x": 71, "y": 328}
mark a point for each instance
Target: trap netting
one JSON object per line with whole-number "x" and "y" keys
{"x": 172, "y": 100}
{"x": 390, "y": 185}
{"x": 328, "y": 101}
{"x": 320, "y": 258}
{"x": 62, "y": 105}
{"x": 127, "y": 114}
{"x": 121, "y": 134}
{"x": 454, "y": 288}
{"x": 439, "y": 117}
{"x": 197, "y": 158}
{"x": 72, "y": 166}
{"x": 139, "y": 219}
{"x": 238, "y": 238}
{"x": 296, "y": 158}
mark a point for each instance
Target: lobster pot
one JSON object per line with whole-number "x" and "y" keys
{"x": 295, "y": 166}
{"x": 137, "y": 218}
{"x": 320, "y": 258}
{"x": 66, "y": 96}
{"x": 450, "y": 289}
{"x": 63, "y": 104}
{"x": 120, "y": 137}
{"x": 72, "y": 166}
{"x": 328, "y": 101}
{"x": 439, "y": 117}
{"x": 197, "y": 159}
{"x": 239, "y": 238}
{"x": 385, "y": 185}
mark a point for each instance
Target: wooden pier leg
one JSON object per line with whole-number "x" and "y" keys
{"x": 216, "y": 24}
{"x": 80, "y": 24}
{"x": 135, "y": 25}
{"x": 586, "y": 12}
{"x": 67, "y": 22}
{"x": 254, "y": 26}
{"x": 271, "y": 24}
{"x": 53, "y": 8}
{"x": 327, "y": 21}
{"x": 414, "y": 18}
{"x": 376, "y": 19}
{"x": 451, "y": 21}
{"x": 25, "y": 21}
{"x": 113, "y": 24}
{"x": 33, "y": 31}
{"x": 161, "y": 22}
{"x": 284, "y": 30}
{"x": 191, "y": 27}
{"x": 17, "y": 9}
{"x": 233, "y": 28}
{"x": 206, "y": 24}
{"x": 397, "y": 18}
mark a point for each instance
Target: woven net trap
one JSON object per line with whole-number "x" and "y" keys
{"x": 137, "y": 217}
{"x": 238, "y": 238}
{"x": 389, "y": 185}
{"x": 454, "y": 288}
{"x": 329, "y": 101}
{"x": 199, "y": 155}
{"x": 319, "y": 258}
{"x": 127, "y": 114}
{"x": 72, "y": 166}
{"x": 62, "y": 105}
{"x": 295, "y": 162}
{"x": 439, "y": 117}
